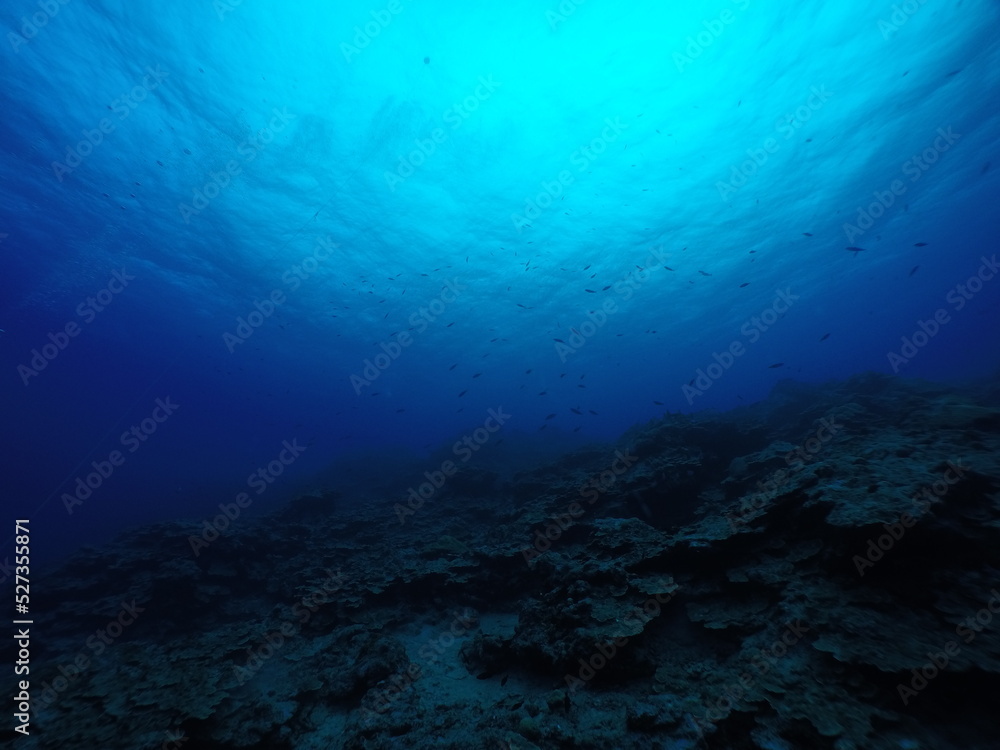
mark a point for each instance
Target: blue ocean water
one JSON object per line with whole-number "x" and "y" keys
{"x": 529, "y": 199}
{"x": 255, "y": 250}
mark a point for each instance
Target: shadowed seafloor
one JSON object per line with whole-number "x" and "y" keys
{"x": 800, "y": 573}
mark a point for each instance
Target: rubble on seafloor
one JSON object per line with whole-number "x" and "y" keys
{"x": 808, "y": 572}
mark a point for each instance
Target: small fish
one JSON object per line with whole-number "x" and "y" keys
{"x": 703, "y": 273}
{"x": 807, "y": 234}
{"x": 576, "y": 411}
{"x": 453, "y": 366}
{"x": 462, "y": 393}
{"x": 590, "y": 291}
{"x": 551, "y": 416}
{"x": 477, "y": 375}
{"x": 920, "y": 244}
{"x": 824, "y": 337}
{"x": 776, "y": 364}
{"x": 745, "y": 283}
{"x": 913, "y": 271}
{"x": 668, "y": 268}
{"x": 559, "y": 340}
{"x": 503, "y": 680}
{"x": 658, "y": 403}
{"x": 527, "y": 372}
{"x": 543, "y": 393}
{"x": 592, "y": 412}
{"x": 576, "y": 332}
{"x": 856, "y": 250}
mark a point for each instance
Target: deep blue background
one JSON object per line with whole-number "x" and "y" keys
{"x": 693, "y": 88}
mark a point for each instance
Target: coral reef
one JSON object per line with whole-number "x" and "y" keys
{"x": 808, "y": 572}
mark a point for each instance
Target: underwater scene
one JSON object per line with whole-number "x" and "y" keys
{"x": 538, "y": 375}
